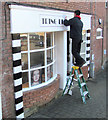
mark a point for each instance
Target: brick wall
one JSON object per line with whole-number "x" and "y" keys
{"x": 0, "y": 45}
{"x": 96, "y": 44}
{"x": 7, "y": 76}
{"x": 83, "y": 6}
{"x": 34, "y": 98}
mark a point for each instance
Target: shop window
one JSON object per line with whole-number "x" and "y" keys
{"x": 99, "y": 33}
{"x": 38, "y": 58}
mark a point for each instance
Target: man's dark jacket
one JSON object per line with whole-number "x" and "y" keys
{"x": 76, "y": 26}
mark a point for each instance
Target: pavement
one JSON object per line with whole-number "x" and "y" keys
{"x": 72, "y": 107}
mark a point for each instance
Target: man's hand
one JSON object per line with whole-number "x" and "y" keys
{"x": 65, "y": 17}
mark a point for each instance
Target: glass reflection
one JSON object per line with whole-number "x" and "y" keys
{"x": 24, "y": 42}
{"x": 36, "y": 41}
{"x": 49, "y": 56}
{"x": 36, "y": 59}
{"x": 49, "y": 39}
{"x": 25, "y": 83}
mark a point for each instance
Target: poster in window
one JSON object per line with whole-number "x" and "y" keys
{"x": 36, "y": 77}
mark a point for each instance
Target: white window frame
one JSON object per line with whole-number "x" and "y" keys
{"x": 45, "y": 66}
{"x": 99, "y": 30}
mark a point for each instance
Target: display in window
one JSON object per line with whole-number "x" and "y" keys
{"x": 36, "y": 41}
{"x": 36, "y": 77}
{"x": 49, "y": 39}
{"x": 49, "y": 72}
{"x": 24, "y": 42}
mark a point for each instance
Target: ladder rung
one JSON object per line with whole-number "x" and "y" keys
{"x": 72, "y": 75}
{"x": 75, "y": 79}
{"x": 82, "y": 84}
{"x": 80, "y": 75}
{"x": 85, "y": 93}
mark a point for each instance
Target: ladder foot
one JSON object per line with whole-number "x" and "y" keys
{"x": 77, "y": 76}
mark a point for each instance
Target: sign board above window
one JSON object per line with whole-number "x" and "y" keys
{"x": 51, "y": 20}
{"x": 26, "y": 19}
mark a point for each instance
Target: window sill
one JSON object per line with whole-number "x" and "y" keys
{"x": 40, "y": 85}
{"x": 99, "y": 37}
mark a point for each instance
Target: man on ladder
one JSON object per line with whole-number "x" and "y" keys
{"x": 76, "y": 74}
{"x": 76, "y": 26}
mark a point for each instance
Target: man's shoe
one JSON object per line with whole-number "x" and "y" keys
{"x": 80, "y": 65}
{"x": 76, "y": 64}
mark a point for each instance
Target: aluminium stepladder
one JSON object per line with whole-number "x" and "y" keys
{"x": 77, "y": 75}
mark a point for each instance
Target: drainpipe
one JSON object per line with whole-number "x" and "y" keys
{"x": 102, "y": 44}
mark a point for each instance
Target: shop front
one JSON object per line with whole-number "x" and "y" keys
{"x": 41, "y": 46}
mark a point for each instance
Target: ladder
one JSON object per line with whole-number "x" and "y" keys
{"x": 76, "y": 75}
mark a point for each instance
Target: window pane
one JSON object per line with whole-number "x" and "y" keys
{"x": 36, "y": 59}
{"x": 25, "y": 80}
{"x": 99, "y": 34}
{"x": 83, "y": 47}
{"x": 24, "y": 45}
{"x": 36, "y": 41}
{"x": 49, "y": 56}
{"x": 49, "y": 39}
{"x": 37, "y": 77}
{"x": 24, "y": 60}
{"x": 83, "y": 56}
{"x": 49, "y": 72}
